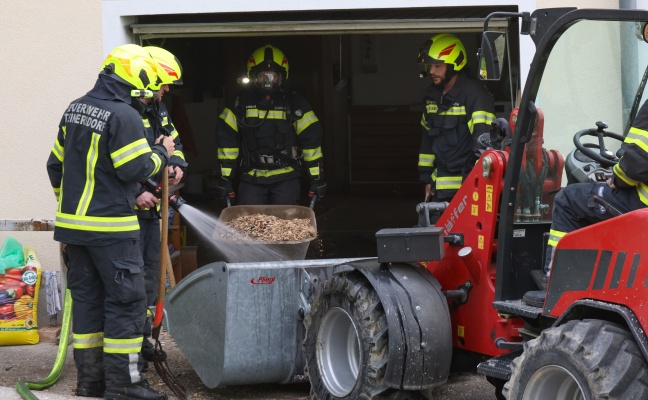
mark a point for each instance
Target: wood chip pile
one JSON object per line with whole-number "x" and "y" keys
{"x": 269, "y": 228}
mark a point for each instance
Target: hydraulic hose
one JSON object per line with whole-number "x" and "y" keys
{"x": 23, "y": 387}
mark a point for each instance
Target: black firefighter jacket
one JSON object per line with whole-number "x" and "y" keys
{"x": 97, "y": 159}
{"x": 157, "y": 122}
{"x": 632, "y": 169}
{"x": 451, "y": 125}
{"x": 270, "y": 137}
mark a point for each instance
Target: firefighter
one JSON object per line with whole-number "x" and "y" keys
{"x": 457, "y": 111}
{"x": 627, "y": 190}
{"x": 97, "y": 159}
{"x": 270, "y": 134}
{"x": 157, "y": 122}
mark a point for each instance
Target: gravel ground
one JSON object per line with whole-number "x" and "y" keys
{"x": 34, "y": 362}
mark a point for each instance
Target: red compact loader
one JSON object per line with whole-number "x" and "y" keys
{"x": 439, "y": 297}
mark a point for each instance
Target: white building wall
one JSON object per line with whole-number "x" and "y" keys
{"x": 558, "y": 92}
{"x": 51, "y": 53}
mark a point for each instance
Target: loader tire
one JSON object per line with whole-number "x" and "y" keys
{"x": 589, "y": 360}
{"x": 346, "y": 343}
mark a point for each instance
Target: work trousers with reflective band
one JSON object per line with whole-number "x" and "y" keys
{"x": 108, "y": 310}
{"x": 445, "y": 187}
{"x": 150, "y": 247}
{"x": 277, "y": 193}
{"x": 574, "y": 208}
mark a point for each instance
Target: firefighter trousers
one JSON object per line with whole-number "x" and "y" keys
{"x": 277, "y": 193}
{"x": 575, "y": 208}
{"x": 108, "y": 310}
{"x": 150, "y": 247}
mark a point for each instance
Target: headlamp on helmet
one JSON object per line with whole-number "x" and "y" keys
{"x": 142, "y": 94}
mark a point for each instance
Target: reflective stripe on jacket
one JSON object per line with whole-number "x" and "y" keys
{"x": 632, "y": 169}
{"x": 270, "y": 140}
{"x": 97, "y": 159}
{"x": 451, "y": 124}
{"x": 158, "y": 122}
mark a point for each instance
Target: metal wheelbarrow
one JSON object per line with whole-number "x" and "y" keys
{"x": 259, "y": 251}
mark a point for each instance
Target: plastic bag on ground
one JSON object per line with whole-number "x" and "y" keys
{"x": 11, "y": 255}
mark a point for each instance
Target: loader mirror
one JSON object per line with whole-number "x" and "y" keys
{"x": 491, "y": 56}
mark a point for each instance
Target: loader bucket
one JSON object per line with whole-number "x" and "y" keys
{"x": 272, "y": 251}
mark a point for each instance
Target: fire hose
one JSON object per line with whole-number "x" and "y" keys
{"x": 175, "y": 201}
{"x": 23, "y": 387}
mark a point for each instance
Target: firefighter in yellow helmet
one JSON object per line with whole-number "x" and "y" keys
{"x": 457, "y": 111}
{"x": 98, "y": 158}
{"x": 157, "y": 121}
{"x": 269, "y": 136}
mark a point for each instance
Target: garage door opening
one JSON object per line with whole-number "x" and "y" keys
{"x": 357, "y": 70}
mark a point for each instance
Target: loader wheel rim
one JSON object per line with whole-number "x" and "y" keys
{"x": 338, "y": 352}
{"x": 553, "y": 382}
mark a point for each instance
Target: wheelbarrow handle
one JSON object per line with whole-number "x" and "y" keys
{"x": 313, "y": 201}
{"x": 229, "y": 199}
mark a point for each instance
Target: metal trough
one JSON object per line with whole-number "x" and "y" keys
{"x": 241, "y": 323}
{"x": 248, "y": 251}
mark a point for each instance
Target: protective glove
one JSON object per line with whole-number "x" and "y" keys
{"x": 317, "y": 187}
{"x": 224, "y": 189}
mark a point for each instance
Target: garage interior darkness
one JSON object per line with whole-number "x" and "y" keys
{"x": 357, "y": 69}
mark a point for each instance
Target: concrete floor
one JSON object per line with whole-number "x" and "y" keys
{"x": 35, "y": 362}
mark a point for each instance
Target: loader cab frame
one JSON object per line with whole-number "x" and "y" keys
{"x": 551, "y": 30}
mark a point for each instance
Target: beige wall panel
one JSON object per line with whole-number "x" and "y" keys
{"x": 51, "y": 53}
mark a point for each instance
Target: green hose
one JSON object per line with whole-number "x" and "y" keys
{"x": 23, "y": 386}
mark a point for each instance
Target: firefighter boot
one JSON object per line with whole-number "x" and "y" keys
{"x": 90, "y": 373}
{"x": 535, "y": 298}
{"x": 90, "y": 389}
{"x": 136, "y": 391}
{"x": 540, "y": 278}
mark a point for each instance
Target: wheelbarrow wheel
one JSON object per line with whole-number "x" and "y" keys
{"x": 346, "y": 343}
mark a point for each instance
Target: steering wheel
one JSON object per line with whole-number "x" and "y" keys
{"x": 604, "y": 156}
